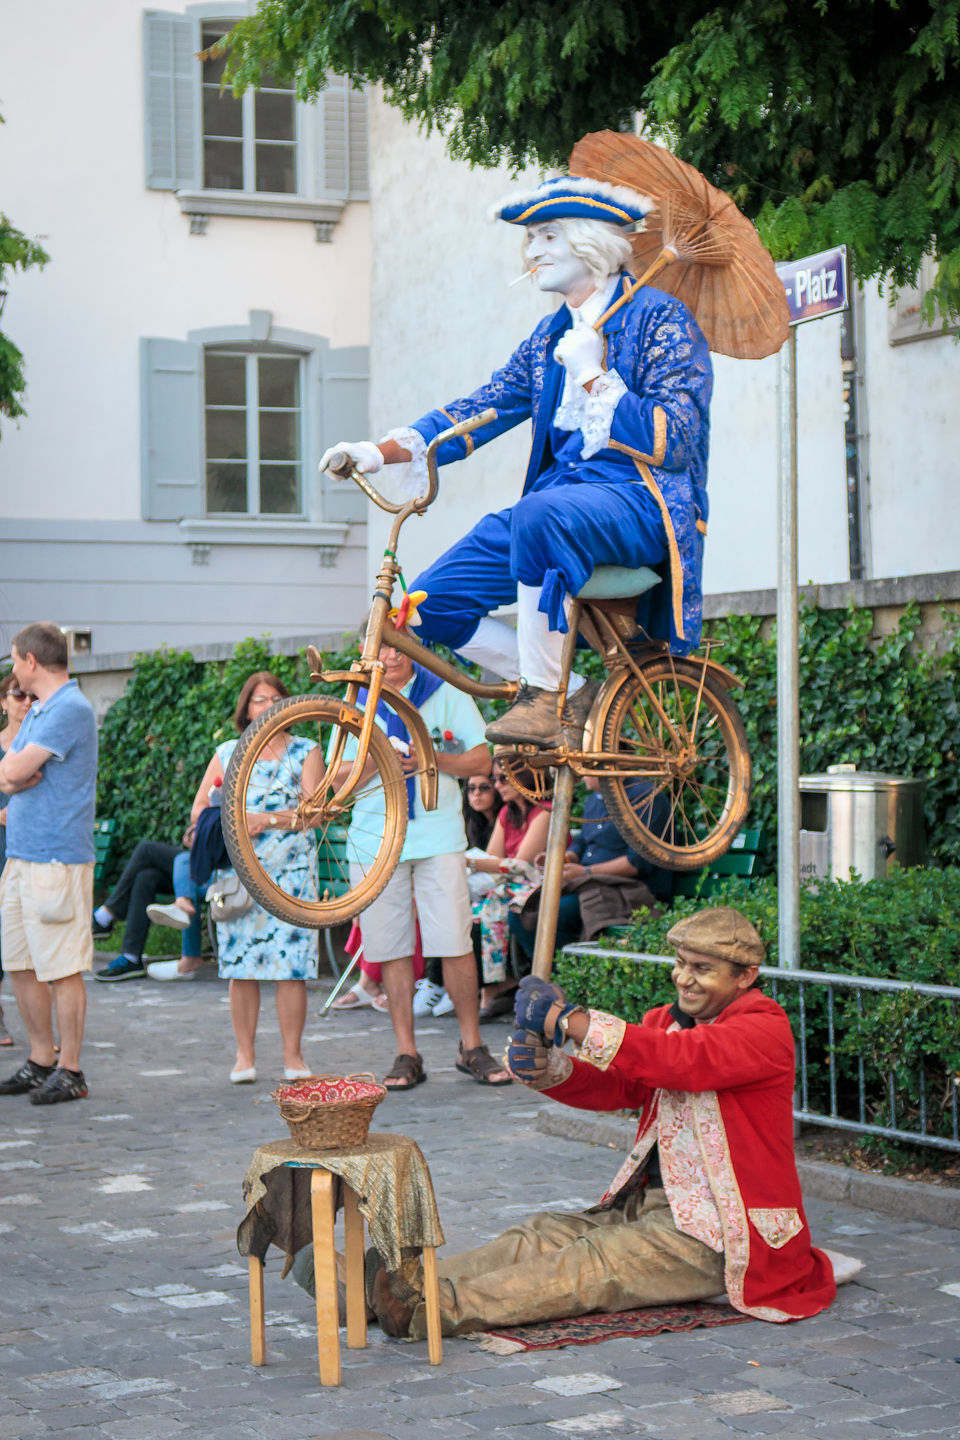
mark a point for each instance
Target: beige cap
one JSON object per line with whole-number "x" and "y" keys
{"x": 722, "y": 932}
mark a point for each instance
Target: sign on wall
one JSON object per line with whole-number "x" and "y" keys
{"x": 815, "y": 285}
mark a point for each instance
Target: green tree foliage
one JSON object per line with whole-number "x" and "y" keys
{"x": 17, "y": 252}
{"x": 829, "y": 121}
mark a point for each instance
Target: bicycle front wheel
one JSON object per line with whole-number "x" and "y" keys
{"x": 688, "y": 737}
{"x": 303, "y": 876}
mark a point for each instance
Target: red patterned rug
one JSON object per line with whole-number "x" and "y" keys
{"x": 590, "y": 1329}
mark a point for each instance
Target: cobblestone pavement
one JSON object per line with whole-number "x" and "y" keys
{"x": 123, "y": 1302}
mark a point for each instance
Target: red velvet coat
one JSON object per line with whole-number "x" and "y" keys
{"x": 718, "y": 1100}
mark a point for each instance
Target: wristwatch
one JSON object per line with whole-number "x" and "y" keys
{"x": 565, "y": 1020}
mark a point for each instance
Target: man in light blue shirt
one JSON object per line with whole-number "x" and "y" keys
{"x": 46, "y": 892}
{"x": 429, "y": 885}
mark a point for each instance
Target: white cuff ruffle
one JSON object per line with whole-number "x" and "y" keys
{"x": 591, "y": 412}
{"x": 411, "y": 479}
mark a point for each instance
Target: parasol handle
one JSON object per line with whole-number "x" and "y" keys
{"x": 666, "y": 257}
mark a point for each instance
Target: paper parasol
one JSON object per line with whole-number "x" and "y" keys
{"x": 699, "y": 245}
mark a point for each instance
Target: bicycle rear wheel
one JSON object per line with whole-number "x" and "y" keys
{"x": 690, "y": 809}
{"x": 304, "y": 876}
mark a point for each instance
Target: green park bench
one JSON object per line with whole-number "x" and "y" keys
{"x": 103, "y": 837}
{"x": 738, "y": 866}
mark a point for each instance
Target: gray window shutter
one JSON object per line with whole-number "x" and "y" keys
{"x": 357, "y": 144}
{"x": 171, "y": 425}
{"x": 344, "y": 416}
{"x": 341, "y": 141}
{"x": 334, "y": 163}
{"x": 171, "y": 101}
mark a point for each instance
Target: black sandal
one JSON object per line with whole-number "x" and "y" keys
{"x": 407, "y": 1071}
{"x": 480, "y": 1065}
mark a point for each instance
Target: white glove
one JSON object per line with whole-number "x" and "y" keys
{"x": 364, "y": 454}
{"x": 580, "y": 351}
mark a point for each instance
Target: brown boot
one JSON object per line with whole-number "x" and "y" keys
{"x": 576, "y": 710}
{"x": 533, "y": 719}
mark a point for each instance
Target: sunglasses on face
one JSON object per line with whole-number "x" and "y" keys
{"x": 479, "y": 789}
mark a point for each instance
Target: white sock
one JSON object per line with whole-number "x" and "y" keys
{"x": 494, "y": 646}
{"x": 102, "y": 915}
{"x": 540, "y": 648}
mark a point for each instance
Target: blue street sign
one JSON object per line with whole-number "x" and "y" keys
{"x": 815, "y": 285}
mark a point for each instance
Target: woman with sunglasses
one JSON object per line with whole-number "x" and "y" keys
{"x": 14, "y": 704}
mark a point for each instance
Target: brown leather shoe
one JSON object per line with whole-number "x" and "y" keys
{"x": 576, "y": 710}
{"x": 394, "y": 1316}
{"x": 533, "y": 719}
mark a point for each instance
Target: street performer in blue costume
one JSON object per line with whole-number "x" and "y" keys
{"x": 617, "y": 470}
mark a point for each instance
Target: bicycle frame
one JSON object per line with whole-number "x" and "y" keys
{"x": 367, "y": 672}
{"x": 607, "y": 625}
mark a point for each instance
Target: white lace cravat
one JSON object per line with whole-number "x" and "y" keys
{"x": 591, "y": 411}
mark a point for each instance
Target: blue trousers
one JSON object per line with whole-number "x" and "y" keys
{"x": 553, "y": 537}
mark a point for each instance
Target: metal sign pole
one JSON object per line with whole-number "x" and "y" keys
{"x": 816, "y": 285}
{"x": 788, "y": 664}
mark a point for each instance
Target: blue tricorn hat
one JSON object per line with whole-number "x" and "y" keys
{"x": 574, "y": 197}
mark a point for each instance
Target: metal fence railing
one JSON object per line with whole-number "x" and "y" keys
{"x": 874, "y": 1056}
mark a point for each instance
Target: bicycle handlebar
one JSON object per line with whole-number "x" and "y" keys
{"x": 343, "y": 467}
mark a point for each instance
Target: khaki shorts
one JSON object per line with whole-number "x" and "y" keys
{"x": 45, "y": 912}
{"x": 433, "y": 890}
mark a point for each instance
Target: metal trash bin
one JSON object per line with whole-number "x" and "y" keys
{"x": 859, "y": 820}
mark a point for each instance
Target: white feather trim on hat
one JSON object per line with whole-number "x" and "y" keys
{"x": 577, "y": 184}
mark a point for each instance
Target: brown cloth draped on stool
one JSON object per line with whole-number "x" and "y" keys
{"x": 388, "y": 1175}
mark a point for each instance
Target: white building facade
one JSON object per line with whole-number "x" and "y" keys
{"x": 201, "y": 331}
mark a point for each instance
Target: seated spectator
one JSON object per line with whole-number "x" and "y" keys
{"x": 183, "y": 915}
{"x": 519, "y": 836}
{"x": 148, "y": 873}
{"x": 480, "y": 806}
{"x": 604, "y": 879}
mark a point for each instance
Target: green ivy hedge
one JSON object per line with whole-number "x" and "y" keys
{"x": 157, "y": 740}
{"x": 902, "y": 928}
{"x": 883, "y": 704}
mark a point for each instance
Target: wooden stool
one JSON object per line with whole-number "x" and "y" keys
{"x": 322, "y": 1209}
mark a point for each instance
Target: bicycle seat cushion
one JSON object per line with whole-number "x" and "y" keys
{"x": 616, "y": 582}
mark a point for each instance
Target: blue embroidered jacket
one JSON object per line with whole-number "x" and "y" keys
{"x": 659, "y": 436}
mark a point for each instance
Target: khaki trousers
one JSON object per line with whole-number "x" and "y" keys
{"x": 554, "y": 1266}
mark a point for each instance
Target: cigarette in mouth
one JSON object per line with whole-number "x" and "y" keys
{"x": 527, "y": 274}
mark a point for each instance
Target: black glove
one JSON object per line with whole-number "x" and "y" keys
{"x": 535, "y": 999}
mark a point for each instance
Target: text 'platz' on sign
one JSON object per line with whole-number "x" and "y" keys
{"x": 815, "y": 285}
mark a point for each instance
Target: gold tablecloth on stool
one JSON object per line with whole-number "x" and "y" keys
{"x": 387, "y": 1173}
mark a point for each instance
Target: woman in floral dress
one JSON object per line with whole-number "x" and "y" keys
{"x": 257, "y": 946}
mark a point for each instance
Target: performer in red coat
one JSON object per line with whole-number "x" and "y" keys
{"x": 708, "y": 1199}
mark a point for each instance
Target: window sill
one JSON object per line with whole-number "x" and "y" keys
{"x": 201, "y": 204}
{"x": 255, "y": 530}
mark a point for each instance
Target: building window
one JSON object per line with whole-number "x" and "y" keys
{"x": 250, "y": 141}
{"x": 252, "y": 412}
{"x": 904, "y": 320}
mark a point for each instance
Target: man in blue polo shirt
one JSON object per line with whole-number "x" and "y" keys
{"x": 46, "y": 892}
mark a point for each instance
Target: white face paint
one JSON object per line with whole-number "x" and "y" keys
{"x": 555, "y": 266}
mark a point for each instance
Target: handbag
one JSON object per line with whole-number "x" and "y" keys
{"x": 228, "y": 899}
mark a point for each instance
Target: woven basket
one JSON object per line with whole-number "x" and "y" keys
{"x": 328, "y": 1124}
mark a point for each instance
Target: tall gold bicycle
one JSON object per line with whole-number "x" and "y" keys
{"x": 663, "y": 737}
